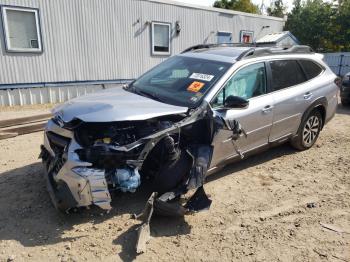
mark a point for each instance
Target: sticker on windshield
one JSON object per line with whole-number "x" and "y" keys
{"x": 203, "y": 77}
{"x": 195, "y": 86}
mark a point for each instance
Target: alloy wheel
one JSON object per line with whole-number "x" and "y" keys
{"x": 311, "y": 130}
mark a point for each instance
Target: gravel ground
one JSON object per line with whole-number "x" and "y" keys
{"x": 266, "y": 208}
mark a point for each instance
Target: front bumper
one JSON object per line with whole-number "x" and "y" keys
{"x": 69, "y": 189}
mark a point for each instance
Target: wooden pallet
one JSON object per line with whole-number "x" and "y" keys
{"x": 24, "y": 125}
{"x": 4, "y": 135}
{"x": 24, "y": 120}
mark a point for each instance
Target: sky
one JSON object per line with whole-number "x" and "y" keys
{"x": 257, "y": 2}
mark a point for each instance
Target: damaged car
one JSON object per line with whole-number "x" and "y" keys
{"x": 182, "y": 120}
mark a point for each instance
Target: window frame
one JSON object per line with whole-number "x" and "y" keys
{"x": 223, "y": 33}
{"x": 160, "y": 53}
{"x": 267, "y": 77}
{"x": 5, "y": 28}
{"x": 248, "y": 32}
{"x": 305, "y": 71}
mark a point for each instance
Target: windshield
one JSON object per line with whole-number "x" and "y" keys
{"x": 180, "y": 80}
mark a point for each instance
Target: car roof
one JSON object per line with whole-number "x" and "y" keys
{"x": 232, "y": 54}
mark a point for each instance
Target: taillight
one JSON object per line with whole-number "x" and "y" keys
{"x": 338, "y": 81}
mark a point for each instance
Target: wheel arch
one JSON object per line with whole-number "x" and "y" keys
{"x": 319, "y": 104}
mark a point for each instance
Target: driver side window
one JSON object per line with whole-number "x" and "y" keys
{"x": 248, "y": 82}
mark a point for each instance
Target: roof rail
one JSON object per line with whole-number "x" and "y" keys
{"x": 257, "y": 52}
{"x": 205, "y": 46}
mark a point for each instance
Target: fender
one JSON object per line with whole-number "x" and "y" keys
{"x": 319, "y": 102}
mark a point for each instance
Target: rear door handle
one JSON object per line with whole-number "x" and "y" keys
{"x": 307, "y": 95}
{"x": 267, "y": 109}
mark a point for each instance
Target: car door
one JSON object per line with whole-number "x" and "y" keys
{"x": 291, "y": 97}
{"x": 249, "y": 82}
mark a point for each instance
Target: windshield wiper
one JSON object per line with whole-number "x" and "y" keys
{"x": 146, "y": 94}
{"x": 131, "y": 88}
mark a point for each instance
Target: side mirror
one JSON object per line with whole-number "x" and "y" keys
{"x": 236, "y": 102}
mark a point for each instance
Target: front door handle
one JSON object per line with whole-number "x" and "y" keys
{"x": 307, "y": 95}
{"x": 267, "y": 109}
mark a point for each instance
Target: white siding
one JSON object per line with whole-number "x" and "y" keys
{"x": 44, "y": 95}
{"x": 110, "y": 39}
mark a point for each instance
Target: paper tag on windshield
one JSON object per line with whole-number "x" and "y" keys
{"x": 203, "y": 77}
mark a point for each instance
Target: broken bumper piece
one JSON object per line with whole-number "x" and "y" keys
{"x": 97, "y": 185}
{"x": 167, "y": 205}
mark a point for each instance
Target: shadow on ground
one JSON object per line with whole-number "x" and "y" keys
{"x": 251, "y": 161}
{"x": 160, "y": 227}
{"x": 28, "y": 217}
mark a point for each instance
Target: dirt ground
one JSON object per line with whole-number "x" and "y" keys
{"x": 266, "y": 208}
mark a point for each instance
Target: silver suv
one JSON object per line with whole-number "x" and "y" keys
{"x": 182, "y": 120}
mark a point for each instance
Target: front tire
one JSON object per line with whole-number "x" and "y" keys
{"x": 309, "y": 131}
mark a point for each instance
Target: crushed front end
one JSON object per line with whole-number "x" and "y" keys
{"x": 85, "y": 161}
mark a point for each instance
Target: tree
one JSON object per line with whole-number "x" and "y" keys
{"x": 324, "y": 26}
{"x": 341, "y": 40}
{"x": 311, "y": 22}
{"x": 238, "y": 5}
{"x": 277, "y": 9}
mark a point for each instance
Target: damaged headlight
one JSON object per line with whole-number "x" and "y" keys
{"x": 57, "y": 119}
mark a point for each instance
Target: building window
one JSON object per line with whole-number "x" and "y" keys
{"x": 22, "y": 29}
{"x": 224, "y": 37}
{"x": 246, "y": 37}
{"x": 160, "y": 38}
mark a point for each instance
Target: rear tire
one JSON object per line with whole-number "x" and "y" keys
{"x": 309, "y": 131}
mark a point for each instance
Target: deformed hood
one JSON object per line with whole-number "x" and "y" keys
{"x": 114, "y": 104}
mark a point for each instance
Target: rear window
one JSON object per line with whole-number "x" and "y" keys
{"x": 286, "y": 73}
{"x": 311, "y": 69}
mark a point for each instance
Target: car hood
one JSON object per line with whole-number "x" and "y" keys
{"x": 114, "y": 104}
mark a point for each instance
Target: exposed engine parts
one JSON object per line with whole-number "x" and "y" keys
{"x": 126, "y": 180}
{"x": 174, "y": 151}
